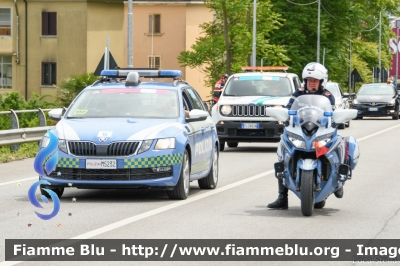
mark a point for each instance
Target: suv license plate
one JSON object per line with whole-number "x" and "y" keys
{"x": 101, "y": 164}
{"x": 372, "y": 109}
{"x": 250, "y": 126}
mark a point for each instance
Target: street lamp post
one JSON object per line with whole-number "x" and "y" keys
{"x": 397, "y": 49}
{"x": 253, "y": 63}
{"x": 319, "y": 28}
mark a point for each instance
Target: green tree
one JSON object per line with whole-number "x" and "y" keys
{"x": 72, "y": 86}
{"x": 226, "y": 44}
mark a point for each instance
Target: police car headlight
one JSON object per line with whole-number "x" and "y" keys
{"x": 62, "y": 145}
{"x": 226, "y": 109}
{"x": 146, "y": 144}
{"x": 44, "y": 142}
{"x": 163, "y": 144}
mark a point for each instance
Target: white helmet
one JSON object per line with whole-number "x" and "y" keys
{"x": 316, "y": 71}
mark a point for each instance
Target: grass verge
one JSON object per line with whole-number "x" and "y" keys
{"x": 26, "y": 150}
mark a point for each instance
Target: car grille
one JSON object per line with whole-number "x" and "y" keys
{"x": 108, "y": 174}
{"x": 85, "y": 148}
{"x": 248, "y": 110}
{"x": 375, "y": 104}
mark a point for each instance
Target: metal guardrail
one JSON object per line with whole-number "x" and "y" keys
{"x": 16, "y": 135}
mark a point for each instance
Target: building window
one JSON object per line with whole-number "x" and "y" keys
{"x": 155, "y": 61}
{"x": 5, "y": 21}
{"x": 49, "y": 23}
{"x": 49, "y": 73}
{"x": 154, "y": 24}
{"x": 5, "y": 72}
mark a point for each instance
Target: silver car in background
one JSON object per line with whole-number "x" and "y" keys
{"x": 342, "y": 100}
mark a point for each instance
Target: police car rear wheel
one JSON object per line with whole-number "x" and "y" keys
{"x": 221, "y": 145}
{"x": 211, "y": 181}
{"x": 182, "y": 188}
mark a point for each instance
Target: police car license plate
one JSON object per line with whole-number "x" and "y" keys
{"x": 101, "y": 164}
{"x": 372, "y": 109}
{"x": 250, "y": 126}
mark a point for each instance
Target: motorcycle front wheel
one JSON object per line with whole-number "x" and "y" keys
{"x": 307, "y": 192}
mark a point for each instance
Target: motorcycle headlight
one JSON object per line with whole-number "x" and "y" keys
{"x": 163, "y": 144}
{"x": 146, "y": 144}
{"x": 391, "y": 102}
{"x": 297, "y": 140}
{"x": 62, "y": 145}
{"x": 226, "y": 109}
{"x": 323, "y": 140}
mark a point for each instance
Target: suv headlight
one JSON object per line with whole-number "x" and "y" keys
{"x": 297, "y": 140}
{"x": 391, "y": 102}
{"x": 338, "y": 106}
{"x": 146, "y": 144}
{"x": 355, "y": 101}
{"x": 163, "y": 144}
{"x": 226, "y": 109}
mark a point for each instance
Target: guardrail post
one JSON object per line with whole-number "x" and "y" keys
{"x": 14, "y": 125}
{"x": 42, "y": 118}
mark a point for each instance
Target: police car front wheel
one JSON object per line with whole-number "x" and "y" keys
{"x": 182, "y": 188}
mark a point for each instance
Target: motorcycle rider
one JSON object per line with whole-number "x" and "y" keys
{"x": 220, "y": 85}
{"x": 315, "y": 78}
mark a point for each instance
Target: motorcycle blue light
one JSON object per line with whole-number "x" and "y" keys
{"x": 324, "y": 121}
{"x": 292, "y": 112}
{"x": 328, "y": 113}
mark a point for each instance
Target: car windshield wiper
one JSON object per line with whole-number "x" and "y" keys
{"x": 75, "y": 117}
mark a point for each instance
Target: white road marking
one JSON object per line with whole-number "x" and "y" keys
{"x": 20, "y": 180}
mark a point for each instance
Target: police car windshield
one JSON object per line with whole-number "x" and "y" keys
{"x": 258, "y": 85}
{"x": 125, "y": 102}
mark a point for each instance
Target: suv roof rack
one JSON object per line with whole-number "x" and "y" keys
{"x": 264, "y": 68}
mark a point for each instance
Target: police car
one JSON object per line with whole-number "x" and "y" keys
{"x": 240, "y": 113}
{"x": 124, "y": 133}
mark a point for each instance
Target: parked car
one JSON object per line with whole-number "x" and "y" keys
{"x": 377, "y": 100}
{"x": 240, "y": 113}
{"x": 133, "y": 134}
{"x": 342, "y": 99}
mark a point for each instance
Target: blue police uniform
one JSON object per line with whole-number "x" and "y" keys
{"x": 324, "y": 92}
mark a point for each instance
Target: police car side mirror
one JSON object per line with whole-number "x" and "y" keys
{"x": 217, "y": 93}
{"x": 56, "y": 114}
{"x": 197, "y": 115}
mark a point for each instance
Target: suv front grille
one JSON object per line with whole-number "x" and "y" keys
{"x": 85, "y": 148}
{"x": 248, "y": 110}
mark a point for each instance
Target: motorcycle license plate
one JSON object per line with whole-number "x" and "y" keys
{"x": 101, "y": 164}
{"x": 250, "y": 126}
{"x": 372, "y": 109}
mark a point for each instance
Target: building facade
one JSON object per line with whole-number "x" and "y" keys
{"x": 42, "y": 42}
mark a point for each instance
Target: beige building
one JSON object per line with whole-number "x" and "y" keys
{"x": 42, "y": 42}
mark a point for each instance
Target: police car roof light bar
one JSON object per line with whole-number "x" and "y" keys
{"x": 264, "y": 68}
{"x": 145, "y": 73}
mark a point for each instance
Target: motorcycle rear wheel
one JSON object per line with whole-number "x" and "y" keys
{"x": 307, "y": 192}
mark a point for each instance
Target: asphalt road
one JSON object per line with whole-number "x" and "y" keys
{"x": 237, "y": 209}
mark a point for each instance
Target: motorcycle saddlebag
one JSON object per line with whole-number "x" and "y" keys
{"x": 354, "y": 152}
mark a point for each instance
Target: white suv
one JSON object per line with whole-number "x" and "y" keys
{"x": 240, "y": 116}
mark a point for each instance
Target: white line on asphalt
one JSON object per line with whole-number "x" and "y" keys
{"x": 377, "y": 133}
{"x": 18, "y": 181}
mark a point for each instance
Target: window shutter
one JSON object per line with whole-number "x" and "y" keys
{"x": 157, "y": 25}
{"x": 45, "y": 23}
{"x": 52, "y": 23}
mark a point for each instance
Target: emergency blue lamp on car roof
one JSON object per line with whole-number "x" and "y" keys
{"x": 146, "y": 73}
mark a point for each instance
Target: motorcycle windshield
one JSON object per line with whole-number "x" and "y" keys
{"x": 310, "y": 109}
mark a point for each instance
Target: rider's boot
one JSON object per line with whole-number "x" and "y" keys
{"x": 282, "y": 201}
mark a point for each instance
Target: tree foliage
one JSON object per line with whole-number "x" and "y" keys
{"x": 226, "y": 44}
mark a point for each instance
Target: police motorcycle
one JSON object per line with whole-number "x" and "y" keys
{"x": 313, "y": 160}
